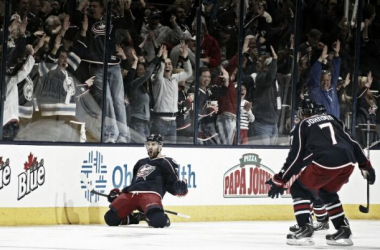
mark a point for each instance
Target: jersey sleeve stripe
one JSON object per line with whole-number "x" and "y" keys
{"x": 299, "y": 149}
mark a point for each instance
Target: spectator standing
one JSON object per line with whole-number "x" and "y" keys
{"x": 226, "y": 95}
{"x": 140, "y": 99}
{"x": 160, "y": 32}
{"x": 266, "y": 100}
{"x": 165, "y": 94}
{"x": 246, "y": 117}
{"x": 210, "y": 54}
{"x": 211, "y": 8}
{"x": 11, "y": 106}
{"x": 185, "y": 103}
{"x": 312, "y": 47}
{"x": 116, "y": 129}
{"x": 322, "y": 83}
{"x": 207, "y": 134}
{"x": 176, "y": 53}
{"x": 366, "y": 111}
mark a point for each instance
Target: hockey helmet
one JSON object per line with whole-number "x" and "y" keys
{"x": 308, "y": 107}
{"x": 155, "y": 137}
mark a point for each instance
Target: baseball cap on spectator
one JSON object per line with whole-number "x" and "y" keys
{"x": 155, "y": 14}
{"x": 314, "y": 33}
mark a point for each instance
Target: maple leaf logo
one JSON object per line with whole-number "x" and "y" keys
{"x": 32, "y": 161}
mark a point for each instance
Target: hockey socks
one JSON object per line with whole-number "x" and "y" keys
{"x": 302, "y": 210}
{"x": 343, "y": 236}
{"x": 336, "y": 213}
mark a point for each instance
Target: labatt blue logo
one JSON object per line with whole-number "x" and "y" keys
{"x": 32, "y": 178}
{"x": 5, "y": 173}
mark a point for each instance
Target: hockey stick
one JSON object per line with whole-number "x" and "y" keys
{"x": 89, "y": 187}
{"x": 372, "y": 145}
{"x": 362, "y": 208}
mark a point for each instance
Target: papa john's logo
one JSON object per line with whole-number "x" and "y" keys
{"x": 247, "y": 179}
{"x": 32, "y": 178}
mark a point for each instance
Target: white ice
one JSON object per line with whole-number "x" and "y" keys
{"x": 179, "y": 236}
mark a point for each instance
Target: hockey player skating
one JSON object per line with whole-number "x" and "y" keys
{"x": 152, "y": 177}
{"x": 318, "y": 208}
{"x": 320, "y": 142}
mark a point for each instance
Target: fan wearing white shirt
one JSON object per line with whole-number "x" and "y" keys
{"x": 246, "y": 116}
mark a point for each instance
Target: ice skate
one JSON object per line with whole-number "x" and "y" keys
{"x": 302, "y": 237}
{"x": 321, "y": 225}
{"x": 294, "y": 228}
{"x": 341, "y": 238}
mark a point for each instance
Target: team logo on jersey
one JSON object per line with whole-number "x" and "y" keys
{"x": 68, "y": 86}
{"x": 32, "y": 178}
{"x": 247, "y": 179}
{"x": 99, "y": 28}
{"x": 5, "y": 173}
{"x": 28, "y": 89}
{"x": 145, "y": 170}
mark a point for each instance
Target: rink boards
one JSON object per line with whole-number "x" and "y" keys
{"x": 41, "y": 184}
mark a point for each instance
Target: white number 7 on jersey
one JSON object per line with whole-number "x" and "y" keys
{"x": 332, "y": 133}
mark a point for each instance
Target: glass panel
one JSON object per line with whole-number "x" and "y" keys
{"x": 3, "y": 49}
{"x": 115, "y": 128}
{"x": 218, "y": 57}
{"x": 52, "y": 99}
{"x": 368, "y": 77}
{"x": 158, "y": 71}
{"x": 267, "y": 68}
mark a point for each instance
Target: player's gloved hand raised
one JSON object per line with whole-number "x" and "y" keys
{"x": 180, "y": 187}
{"x": 276, "y": 186}
{"x": 368, "y": 172}
{"x": 114, "y": 193}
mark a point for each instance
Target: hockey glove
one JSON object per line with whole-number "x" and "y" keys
{"x": 180, "y": 187}
{"x": 114, "y": 193}
{"x": 368, "y": 172}
{"x": 276, "y": 186}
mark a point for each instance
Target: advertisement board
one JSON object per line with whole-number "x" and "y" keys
{"x": 49, "y": 177}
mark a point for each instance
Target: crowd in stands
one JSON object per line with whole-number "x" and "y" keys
{"x": 55, "y": 62}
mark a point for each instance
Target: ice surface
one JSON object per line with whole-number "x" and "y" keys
{"x": 179, "y": 236}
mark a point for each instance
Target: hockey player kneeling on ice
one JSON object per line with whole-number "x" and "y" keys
{"x": 321, "y": 143}
{"x": 152, "y": 177}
